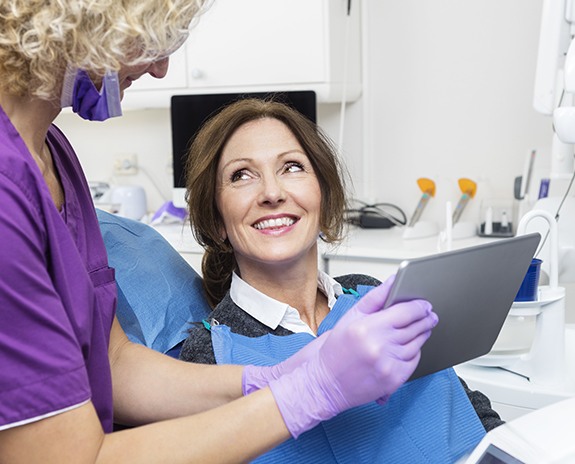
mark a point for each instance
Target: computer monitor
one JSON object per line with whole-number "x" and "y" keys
{"x": 189, "y": 112}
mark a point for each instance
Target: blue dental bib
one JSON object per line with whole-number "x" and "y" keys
{"x": 428, "y": 420}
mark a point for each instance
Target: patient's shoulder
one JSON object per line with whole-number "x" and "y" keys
{"x": 353, "y": 280}
{"x": 198, "y": 347}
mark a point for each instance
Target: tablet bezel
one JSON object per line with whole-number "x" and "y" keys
{"x": 486, "y": 277}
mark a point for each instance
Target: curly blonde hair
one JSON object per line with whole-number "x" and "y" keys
{"x": 40, "y": 38}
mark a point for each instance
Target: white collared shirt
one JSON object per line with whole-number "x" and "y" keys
{"x": 274, "y": 313}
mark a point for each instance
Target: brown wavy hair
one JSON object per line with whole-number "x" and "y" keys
{"x": 218, "y": 262}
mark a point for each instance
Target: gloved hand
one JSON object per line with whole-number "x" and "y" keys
{"x": 256, "y": 377}
{"x": 367, "y": 356}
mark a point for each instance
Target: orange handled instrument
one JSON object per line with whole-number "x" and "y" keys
{"x": 468, "y": 189}
{"x": 427, "y": 186}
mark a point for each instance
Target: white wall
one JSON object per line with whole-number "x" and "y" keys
{"x": 448, "y": 90}
{"x": 145, "y": 133}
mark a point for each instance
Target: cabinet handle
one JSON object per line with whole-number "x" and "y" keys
{"x": 196, "y": 73}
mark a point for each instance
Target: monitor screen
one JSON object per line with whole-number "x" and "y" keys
{"x": 189, "y": 112}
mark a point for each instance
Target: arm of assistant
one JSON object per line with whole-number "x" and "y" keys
{"x": 382, "y": 348}
{"x": 174, "y": 388}
{"x": 150, "y": 386}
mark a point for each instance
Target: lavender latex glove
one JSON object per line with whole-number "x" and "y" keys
{"x": 366, "y": 357}
{"x": 256, "y": 377}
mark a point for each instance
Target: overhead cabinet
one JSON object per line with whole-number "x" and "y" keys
{"x": 264, "y": 45}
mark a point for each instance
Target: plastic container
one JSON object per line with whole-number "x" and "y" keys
{"x": 132, "y": 201}
{"x": 530, "y": 284}
{"x": 516, "y": 336}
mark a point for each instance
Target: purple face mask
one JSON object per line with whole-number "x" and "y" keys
{"x": 81, "y": 94}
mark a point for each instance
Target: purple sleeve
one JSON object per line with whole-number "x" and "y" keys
{"x": 42, "y": 368}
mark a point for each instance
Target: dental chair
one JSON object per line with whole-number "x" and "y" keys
{"x": 159, "y": 294}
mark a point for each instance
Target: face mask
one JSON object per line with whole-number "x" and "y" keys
{"x": 81, "y": 94}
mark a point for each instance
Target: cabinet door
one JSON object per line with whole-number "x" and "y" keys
{"x": 250, "y": 42}
{"x": 262, "y": 45}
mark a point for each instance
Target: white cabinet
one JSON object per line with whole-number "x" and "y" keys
{"x": 263, "y": 45}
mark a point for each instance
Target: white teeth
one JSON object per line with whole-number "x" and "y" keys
{"x": 271, "y": 223}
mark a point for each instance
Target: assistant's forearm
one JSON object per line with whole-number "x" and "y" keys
{"x": 236, "y": 432}
{"x": 150, "y": 386}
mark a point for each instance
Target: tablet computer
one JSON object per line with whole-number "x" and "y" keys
{"x": 471, "y": 290}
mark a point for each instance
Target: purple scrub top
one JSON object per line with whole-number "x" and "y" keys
{"x": 57, "y": 293}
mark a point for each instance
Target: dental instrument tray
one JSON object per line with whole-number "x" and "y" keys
{"x": 471, "y": 290}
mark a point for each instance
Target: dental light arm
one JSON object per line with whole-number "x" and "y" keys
{"x": 554, "y": 94}
{"x": 554, "y": 40}
{"x": 555, "y": 80}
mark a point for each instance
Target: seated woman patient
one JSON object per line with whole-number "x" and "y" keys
{"x": 263, "y": 184}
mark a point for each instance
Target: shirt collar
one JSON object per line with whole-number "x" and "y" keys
{"x": 329, "y": 286}
{"x": 258, "y": 305}
{"x": 274, "y": 313}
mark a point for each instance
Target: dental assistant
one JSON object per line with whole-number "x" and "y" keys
{"x": 68, "y": 372}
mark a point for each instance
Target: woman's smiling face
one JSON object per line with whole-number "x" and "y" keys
{"x": 268, "y": 195}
